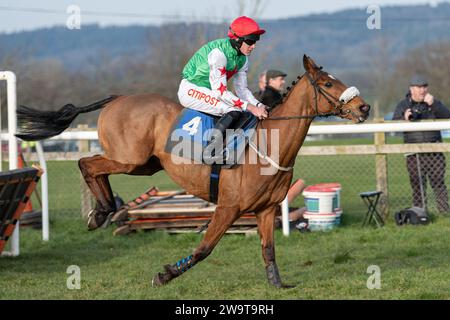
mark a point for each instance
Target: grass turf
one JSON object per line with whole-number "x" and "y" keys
{"x": 333, "y": 265}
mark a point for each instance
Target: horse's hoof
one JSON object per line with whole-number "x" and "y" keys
{"x": 158, "y": 280}
{"x": 95, "y": 220}
{"x": 163, "y": 278}
{"x": 280, "y": 285}
{"x": 287, "y": 286}
{"x": 120, "y": 215}
{"x": 108, "y": 220}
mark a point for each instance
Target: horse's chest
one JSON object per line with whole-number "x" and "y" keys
{"x": 272, "y": 190}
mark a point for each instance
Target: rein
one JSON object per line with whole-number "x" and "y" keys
{"x": 328, "y": 96}
{"x": 337, "y": 105}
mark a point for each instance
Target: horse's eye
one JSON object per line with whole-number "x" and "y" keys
{"x": 328, "y": 84}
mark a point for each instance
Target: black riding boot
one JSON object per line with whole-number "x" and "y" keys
{"x": 216, "y": 147}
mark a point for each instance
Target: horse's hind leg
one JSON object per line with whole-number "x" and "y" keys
{"x": 266, "y": 224}
{"x": 222, "y": 219}
{"x": 152, "y": 166}
{"x": 95, "y": 171}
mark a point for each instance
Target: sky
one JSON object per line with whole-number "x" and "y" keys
{"x": 19, "y": 15}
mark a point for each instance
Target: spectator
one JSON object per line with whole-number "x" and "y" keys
{"x": 420, "y": 104}
{"x": 295, "y": 214}
{"x": 261, "y": 85}
{"x": 275, "y": 81}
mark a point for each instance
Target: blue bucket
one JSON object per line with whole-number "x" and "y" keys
{"x": 320, "y": 222}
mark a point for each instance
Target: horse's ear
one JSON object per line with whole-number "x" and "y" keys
{"x": 309, "y": 65}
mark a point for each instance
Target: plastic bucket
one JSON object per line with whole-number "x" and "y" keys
{"x": 337, "y": 188}
{"x": 320, "y": 222}
{"x": 319, "y": 200}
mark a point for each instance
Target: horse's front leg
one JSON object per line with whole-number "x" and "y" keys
{"x": 222, "y": 220}
{"x": 266, "y": 225}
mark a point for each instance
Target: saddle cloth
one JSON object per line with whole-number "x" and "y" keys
{"x": 192, "y": 131}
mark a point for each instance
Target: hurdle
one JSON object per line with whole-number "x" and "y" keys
{"x": 16, "y": 187}
{"x": 175, "y": 212}
{"x": 11, "y": 97}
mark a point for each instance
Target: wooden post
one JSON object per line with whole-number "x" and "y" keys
{"x": 381, "y": 166}
{"x": 86, "y": 198}
{"x": 83, "y": 145}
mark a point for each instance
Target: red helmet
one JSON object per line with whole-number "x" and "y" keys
{"x": 246, "y": 28}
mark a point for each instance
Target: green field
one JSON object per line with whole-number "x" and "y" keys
{"x": 413, "y": 260}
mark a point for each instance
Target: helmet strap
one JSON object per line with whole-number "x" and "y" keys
{"x": 236, "y": 44}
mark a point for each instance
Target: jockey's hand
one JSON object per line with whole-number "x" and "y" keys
{"x": 259, "y": 112}
{"x": 261, "y": 105}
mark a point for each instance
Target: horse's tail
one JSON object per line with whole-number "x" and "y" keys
{"x": 38, "y": 125}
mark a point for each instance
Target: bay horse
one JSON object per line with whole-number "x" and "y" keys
{"x": 133, "y": 131}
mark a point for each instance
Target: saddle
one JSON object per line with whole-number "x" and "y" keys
{"x": 192, "y": 131}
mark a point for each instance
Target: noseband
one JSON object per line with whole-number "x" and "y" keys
{"x": 336, "y": 103}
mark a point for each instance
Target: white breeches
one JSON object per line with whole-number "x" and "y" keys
{"x": 202, "y": 99}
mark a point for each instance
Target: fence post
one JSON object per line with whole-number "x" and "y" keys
{"x": 381, "y": 165}
{"x": 83, "y": 145}
{"x": 86, "y": 198}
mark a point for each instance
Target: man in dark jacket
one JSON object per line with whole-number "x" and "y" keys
{"x": 271, "y": 95}
{"x": 261, "y": 85}
{"x": 418, "y": 105}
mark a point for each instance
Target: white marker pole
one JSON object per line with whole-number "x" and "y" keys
{"x": 285, "y": 216}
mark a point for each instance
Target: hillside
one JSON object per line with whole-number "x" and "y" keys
{"x": 338, "y": 40}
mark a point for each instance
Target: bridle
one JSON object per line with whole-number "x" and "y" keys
{"x": 331, "y": 99}
{"x": 336, "y": 103}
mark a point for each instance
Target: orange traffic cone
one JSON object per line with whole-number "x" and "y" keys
{"x": 20, "y": 161}
{"x": 20, "y": 164}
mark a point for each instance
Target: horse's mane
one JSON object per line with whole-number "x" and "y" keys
{"x": 294, "y": 83}
{"x": 289, "y": 89}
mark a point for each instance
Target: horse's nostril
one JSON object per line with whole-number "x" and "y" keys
{"x": 364, "y": 108}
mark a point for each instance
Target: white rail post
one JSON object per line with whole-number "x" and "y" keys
{"x": 11, "y": 96}
{"x": 44, "y": 189}
{"x": 285, "y": 216}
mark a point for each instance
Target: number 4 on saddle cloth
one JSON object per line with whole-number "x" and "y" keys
{"x": 193, "y": 130}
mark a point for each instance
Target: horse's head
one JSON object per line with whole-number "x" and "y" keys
{"x": 332, "y": 97}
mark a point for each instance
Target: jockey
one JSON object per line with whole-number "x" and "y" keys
{"x": 205, "y": 76}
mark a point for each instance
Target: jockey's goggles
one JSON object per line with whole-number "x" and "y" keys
{"x": 249, "y": 42}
